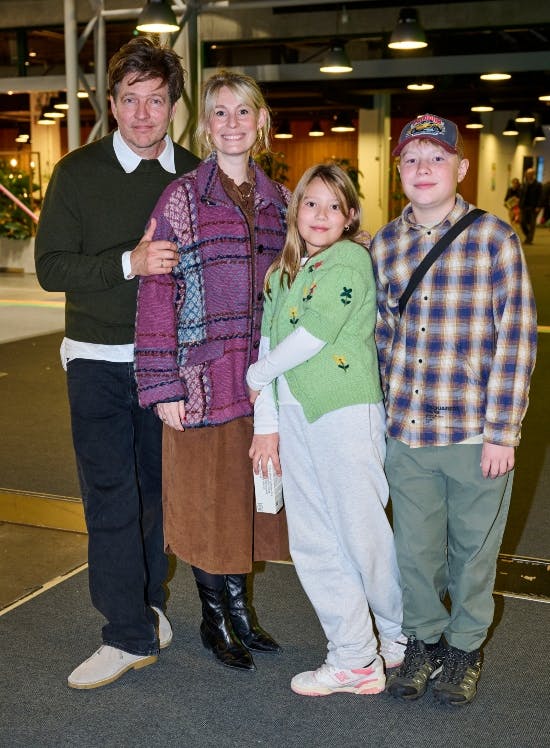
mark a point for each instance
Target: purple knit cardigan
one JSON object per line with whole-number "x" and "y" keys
{"x": 198, "y": 329}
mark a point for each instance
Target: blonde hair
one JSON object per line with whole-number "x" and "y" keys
{"x": 459, "y": 147}
{"x": 246, "y": 89}
{"x": 289, "y": 261}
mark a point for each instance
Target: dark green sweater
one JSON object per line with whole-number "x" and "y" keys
{"x": 93, "y": 212}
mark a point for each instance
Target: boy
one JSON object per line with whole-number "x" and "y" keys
{"x": 455, "y": 368}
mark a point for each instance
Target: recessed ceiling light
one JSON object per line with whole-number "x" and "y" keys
{"x": 482, "y": 108}
{"x": 495, "y": 76}
{"x": 544, "y": 97}
{"x": 420, "y": 86}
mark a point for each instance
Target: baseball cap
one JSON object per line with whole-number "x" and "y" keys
{"x": 430, "y": 127}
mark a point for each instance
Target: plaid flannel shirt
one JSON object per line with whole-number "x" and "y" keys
{"x": 458, "y": 363}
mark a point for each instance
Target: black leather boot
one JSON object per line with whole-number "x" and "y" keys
{"x": 243, "y": 617}
{"x": 217, "y": 633}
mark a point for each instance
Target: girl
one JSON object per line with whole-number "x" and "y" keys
{"x": 318, "y": 347}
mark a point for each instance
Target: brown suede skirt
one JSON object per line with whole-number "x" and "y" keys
{"x": 210, "y": 519}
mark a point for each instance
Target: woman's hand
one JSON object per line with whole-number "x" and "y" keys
{"x": 264, "y": 447}
{"x": 172, "y": 414}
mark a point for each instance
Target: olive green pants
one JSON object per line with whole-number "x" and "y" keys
{"x": 448, "y": 524}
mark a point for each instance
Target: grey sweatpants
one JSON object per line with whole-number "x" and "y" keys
{"x": 340, "y": 539}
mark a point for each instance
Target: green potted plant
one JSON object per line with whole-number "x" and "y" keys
{"x": 14, "y": 222}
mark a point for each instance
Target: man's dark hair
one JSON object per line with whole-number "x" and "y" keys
{"x": 145, "y": 59}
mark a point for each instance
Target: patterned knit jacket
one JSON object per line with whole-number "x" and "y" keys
{"x": 198, "y": 329}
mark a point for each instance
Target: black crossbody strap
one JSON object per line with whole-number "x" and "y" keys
{"x": 434, "y": 253}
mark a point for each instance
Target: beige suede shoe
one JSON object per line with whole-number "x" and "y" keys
{"x": 106, "y": 665}
{"x": 165, "y": 633}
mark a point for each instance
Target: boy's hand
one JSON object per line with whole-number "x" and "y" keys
{"x": 496, "y": 460}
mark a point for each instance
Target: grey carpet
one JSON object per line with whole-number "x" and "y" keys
{"x": 187, "y": 700}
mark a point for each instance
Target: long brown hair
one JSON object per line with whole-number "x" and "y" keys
{"x": 338, "y": 182}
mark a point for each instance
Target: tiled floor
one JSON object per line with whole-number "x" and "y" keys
{"x": 27, "y": 310}
{"x": 31, "y": 557}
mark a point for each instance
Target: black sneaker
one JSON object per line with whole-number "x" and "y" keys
{"x": 422, "y": 662}
{"x": 457, "y": 683}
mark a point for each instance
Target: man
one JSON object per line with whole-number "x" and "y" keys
{"x": 530, "y": 201}
{"x": 88, "y": 244}
{"x": 455, "y": 368}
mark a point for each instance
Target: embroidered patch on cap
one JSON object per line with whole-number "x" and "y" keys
{"x": 429, "y": 127}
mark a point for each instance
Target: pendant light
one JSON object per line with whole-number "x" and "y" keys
{"x": 474, "y": 122}
{"x": 408, "y": 34}
{"x": 43, "y": 120}
{"x": 52, "y": 112}
{"x": 316, "y": 131}
{"x": 157, "y": 17}
{"x": 420, "y": 86}
{"x": 482, "y": 108}
{"x": 510, "y": 128}
{"x": 495, "y": 76}
{"x": 342, "y": 123}
{"x": 283, "y": 131}
{"x": 524, "y": 117}
{"x": 336, "y": 60}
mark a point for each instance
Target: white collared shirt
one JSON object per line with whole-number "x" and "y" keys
{"x": 129, "y": 160}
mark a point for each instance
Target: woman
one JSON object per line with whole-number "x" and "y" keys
{"x": 197, "y": 331}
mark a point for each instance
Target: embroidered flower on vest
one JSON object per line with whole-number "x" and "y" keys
{"x": 309, "y": 291}
{"x": 315, "y": 265}
{"x": 345, "y": 295}
{"x": 341, "y": 362}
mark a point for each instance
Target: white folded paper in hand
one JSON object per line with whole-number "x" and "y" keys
{"x": 269, "y": 491}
